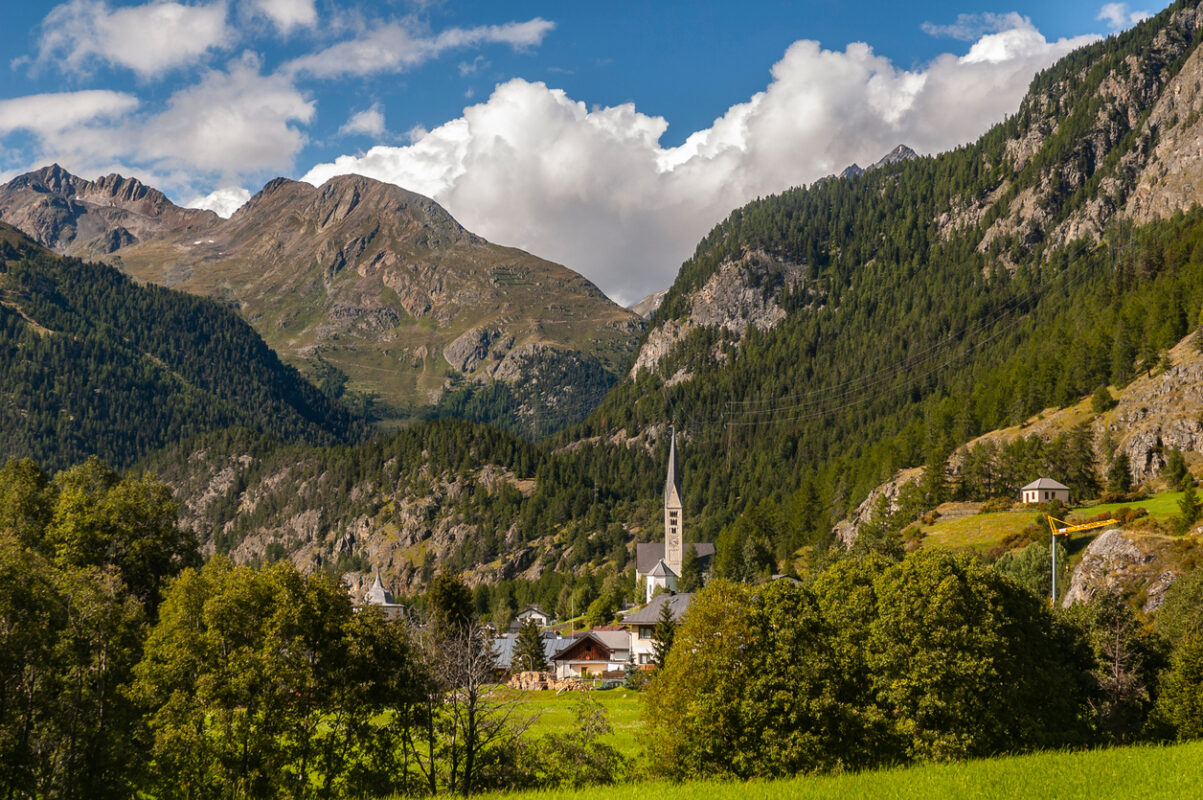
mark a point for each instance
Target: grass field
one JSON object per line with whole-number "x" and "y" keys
{"x": 982, "y": 531}
{"x": 1147, "y": 773}
{"x": 554, "y": 713}
{"x": 1159, "y": 506}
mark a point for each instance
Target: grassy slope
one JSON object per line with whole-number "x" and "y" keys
{"x": 1132, "y": 772}
{"x": 982, "y": 531}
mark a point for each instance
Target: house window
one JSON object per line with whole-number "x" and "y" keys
{"x": 645, "y": 632}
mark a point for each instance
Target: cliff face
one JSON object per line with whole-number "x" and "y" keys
{"x": 741, "y": 294}
{"x": 363, "y": 279}
{"x": 1135, "y": 565}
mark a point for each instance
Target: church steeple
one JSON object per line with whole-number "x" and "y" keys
{"x": 674, "y": 522}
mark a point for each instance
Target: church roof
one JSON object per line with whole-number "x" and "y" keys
{"x": 648, "y": 553}
{"x": 378, "y": 595}
{"x": 662, "y": 570}
{"x": 672, "y": 483}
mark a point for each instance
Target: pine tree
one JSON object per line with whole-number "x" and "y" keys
{"x": 1188, "y": 505}
{"x": 691, "y": 571}
{"x": 528, "y": 649}
{"x": 663, "y": 634}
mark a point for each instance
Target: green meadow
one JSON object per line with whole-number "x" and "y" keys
{"x": 554, "y": 713}
{"x": 1144, "y": 772}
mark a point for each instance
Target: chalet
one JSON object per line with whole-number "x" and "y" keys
{"x": 1044, "y": 490}
{"x": 642, "y": 623}
{"x": 382, "y": 598}
{"x": 505, "y": 645}
{"x": 658, "y": 565}
{"x": 593, "y": 655}
{"x": 532, "y": 612}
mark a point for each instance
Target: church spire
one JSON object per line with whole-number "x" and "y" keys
{"x": 672, "y": 483}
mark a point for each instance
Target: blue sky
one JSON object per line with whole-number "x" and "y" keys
{"x": 606, "y": 136}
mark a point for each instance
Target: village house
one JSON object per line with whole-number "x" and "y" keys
{"x": 505, "y": 645}
{"x": 531, "y": 612}
{"x": 1044, "y": 490}
{"x": 642, "y": 624}
{"x": 658, "y": 565}
{"x": 594, "y": 654}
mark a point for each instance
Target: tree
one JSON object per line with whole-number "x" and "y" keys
{"x": 448, "y": 601}
{"x": 1175, "y": 471}
{"x": 1188, "y": 507}
{"x": 1127, "y": 660}
{"x": 691, "y": 571}
{"x": 1181, "y": 701}
{"x": 579, "y": 758}
{"x": 528, "y": 649}
{"x": 1119, "y": 477}
{"x": 663, "y": 634}
{"x": 1102, "y": 401}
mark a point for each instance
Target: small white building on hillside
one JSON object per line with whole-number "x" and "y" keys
{"x": 1044, "y": 490}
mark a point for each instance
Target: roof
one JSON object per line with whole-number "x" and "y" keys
{"x": 648, "y": 553}
{"x": 534, "y": 609}
{"x": 377, "y": 595}
{"x": 678, "y": 604}
{"x": 662, "y": 570}
{"x": 1045, "y": 483}
{"x": 672, "y": 483}
{"x": 612, "y": 641}
{"x": 504, "y": 646}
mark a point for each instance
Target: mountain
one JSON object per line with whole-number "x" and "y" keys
{"x": 364, "y": 286}
{"x": 821, "y": 340}
{"x": 817, "y": 343}
{"x": 899, "y": 153}
{"x": 93, "y": 363}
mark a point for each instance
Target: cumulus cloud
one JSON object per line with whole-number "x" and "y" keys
{"x": 287, "y": 14}
{"x": 397, "y": 46}
{"x": 147, "y": 39}
{"x": 969, "y": 27}
{"x": 231, "y": 123}
{"x": 594, "y": 189}
{"x": 48, "y": 114}
{"x": 369, "y": 122}
{"x": 1119, "y": 16}
{"x": 223, "y": 202}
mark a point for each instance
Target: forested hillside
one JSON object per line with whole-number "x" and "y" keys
{"x": 926, "y": 302}
{"x": 94, "y": 364}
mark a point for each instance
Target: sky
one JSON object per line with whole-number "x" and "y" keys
{"x": 609, "y": 137}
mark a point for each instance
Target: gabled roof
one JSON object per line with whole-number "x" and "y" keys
{"x": 678, "y": 604}
{"x": 504, "y": 647}
{"x": 612, "y": 642}
{"x": 648, "y": 553}
{"x": 534, "y": 609}
{"x": 1045, "y": 483}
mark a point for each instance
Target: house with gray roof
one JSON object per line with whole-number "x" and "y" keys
{"x": 642, "y": 624}
{"x": 1044, "y": 490}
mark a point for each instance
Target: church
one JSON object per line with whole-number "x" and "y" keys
{"x": 658, "y": 564}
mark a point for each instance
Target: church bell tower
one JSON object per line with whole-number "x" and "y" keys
{"x": 674, "y": 522}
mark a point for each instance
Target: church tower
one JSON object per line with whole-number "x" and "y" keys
{"x": 674, "y": 522}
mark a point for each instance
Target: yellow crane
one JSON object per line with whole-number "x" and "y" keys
{"x": 1066, "y": 528}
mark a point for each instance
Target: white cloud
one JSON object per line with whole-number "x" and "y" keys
{"x": 969, "y": 27}
{"x": 223, "y": 202}
{"x": 396, "y": 46}
{"x": 369, "y": 122}
{"x": 287, "y": 14}
{"x": 147, "y": 39}
{"x": 595, "y": 190}
{"x": 1119, "y": 16}
{"x": 231, "y": 123}
{"x": 47, "y": 114}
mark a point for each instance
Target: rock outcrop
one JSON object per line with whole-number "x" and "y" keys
{"x": 1140, "y": 566}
